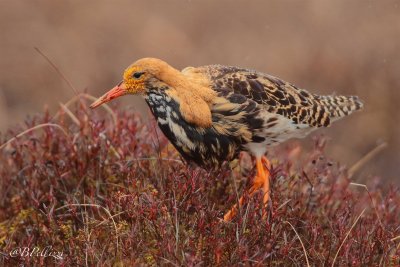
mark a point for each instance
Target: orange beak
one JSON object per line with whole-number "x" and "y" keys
{"x": 117, "y": 91}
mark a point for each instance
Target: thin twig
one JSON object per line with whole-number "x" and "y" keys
{"x": 301, "y": 242}
{"x": 115, "y": 215}
{"x": 176, "y": 224}
{"x": 347, "y": 235}
{"x": 154, "y": 158}
{"x": 283, "y": 204}
{"x": 370, "y": 155}
{"x": 32, "y": 129}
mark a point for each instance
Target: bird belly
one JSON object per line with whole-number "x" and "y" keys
{"x": 275, "y": 130}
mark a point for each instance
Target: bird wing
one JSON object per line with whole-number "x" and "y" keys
{"x": 274, "y": 94}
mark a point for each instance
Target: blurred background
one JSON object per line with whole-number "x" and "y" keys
{"x": 346, "y": 47}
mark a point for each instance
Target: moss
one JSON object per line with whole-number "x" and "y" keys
{"x": 67, "y": 230}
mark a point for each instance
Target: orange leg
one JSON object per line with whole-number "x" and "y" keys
{"x": 266, "y": 187}
{"x": 260, "y": 181}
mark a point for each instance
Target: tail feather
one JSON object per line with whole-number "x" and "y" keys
{"x": 340, "y": 106}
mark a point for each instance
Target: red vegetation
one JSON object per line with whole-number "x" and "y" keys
{"x": 112, "y": 192}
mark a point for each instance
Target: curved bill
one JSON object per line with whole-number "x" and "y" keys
{"x": 115, "y": 92}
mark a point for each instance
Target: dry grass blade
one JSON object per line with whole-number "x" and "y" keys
{"x": 283, "y": 204}
{"x": 372, "y": 201}
{"x": 91, "y": 98}
{"x": 112, "y": 148}
{"x": 347, "y": 235}
{"x": 32, "y": 129}
{"x": 370, "y": 155}
{"x": 395, "y": 238}
{"x": 57, "y": 70}
{"x": 70, "y": 114}
{"x": 301, "y": 242}
{"x": 97, "y": 206}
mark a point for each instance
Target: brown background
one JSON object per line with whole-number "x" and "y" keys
{"x": 347, "y": 47}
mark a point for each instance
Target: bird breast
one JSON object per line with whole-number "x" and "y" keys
{"x": 208, "y": 147}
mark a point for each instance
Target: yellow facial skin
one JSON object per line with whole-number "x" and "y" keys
{"x": 134, "y": 79}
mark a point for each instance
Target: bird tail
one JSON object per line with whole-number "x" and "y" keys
{"x": 340, "y": 106}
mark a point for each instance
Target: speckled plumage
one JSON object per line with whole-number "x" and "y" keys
{"x": 250, "y": 112}
{"x": 212, "y": 113}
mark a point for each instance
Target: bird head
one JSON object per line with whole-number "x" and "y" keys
{"x": 137, "y": 78}
{"x": 188, "y": 88}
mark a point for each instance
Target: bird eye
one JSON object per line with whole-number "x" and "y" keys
{"x": 137, "y": 75}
